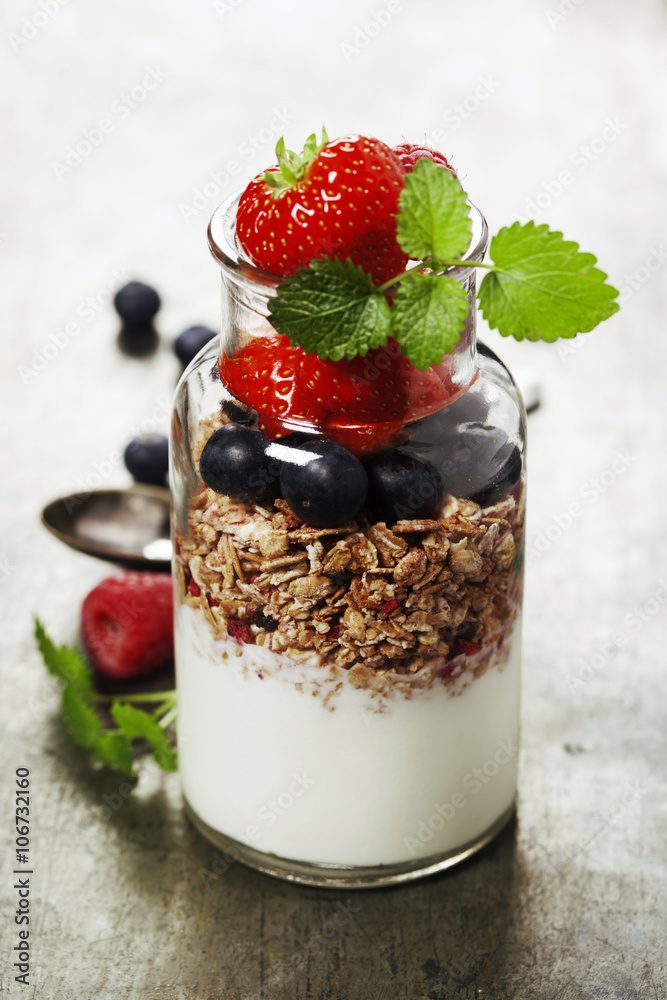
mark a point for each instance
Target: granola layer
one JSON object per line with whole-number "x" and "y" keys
{"x": 419, "y": 601}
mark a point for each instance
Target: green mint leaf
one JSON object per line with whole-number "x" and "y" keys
{"x": 434, "y": 217}
{"x": 84, "y": 726}
{"x": 331, "y": 309}
{"x": 543, "y": 287}
{"x": 137, "y": 724}
{"x": 82, "y": 721}
{"x": 429, "y": 314}
{"x": 65, "y": 663}
{"x": 114, "y": 750}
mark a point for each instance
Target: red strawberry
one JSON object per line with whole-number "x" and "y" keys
{"x": 409, "y": 152}
{"x": 339, "y": 199}
{"x": 268, "y": 374}
{"x": 362, "y": 404}
{"x": 365, "y": 439}
{"x": 127, "y": 624}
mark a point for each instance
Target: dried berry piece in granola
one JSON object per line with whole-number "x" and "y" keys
{"x": 266, "y": 622}
{"x": 240, "y": 631}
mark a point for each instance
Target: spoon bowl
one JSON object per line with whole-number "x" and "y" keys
{"x": 130, "y": 526}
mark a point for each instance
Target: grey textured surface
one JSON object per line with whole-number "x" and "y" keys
{"x": 569, "y": 902}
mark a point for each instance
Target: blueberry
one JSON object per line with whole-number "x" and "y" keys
{"x": 238, "y": 412}
{"x": 136, "y": 304}
{"x": 401, "y": 487}
{"x": 147, "y": 459}
{"x": 481, "y": 464}
{"x": 329, "y": 488}
{"x": 234, "y": 462}
{"x": 189, "y": 343}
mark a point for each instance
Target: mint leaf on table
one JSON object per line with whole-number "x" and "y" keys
{"x": 65, "y": 663}
{"x": 429, "y": 313}
{"x": 111, "y": 747}
{"x": 82, "y": 721}
{"x": 84, "y": 726}
{"x": 542, "y": 287}
{"x": 331, "y": 309}
{"x": 137, "y": 724}
{"x": 114, "y": 750}
{"x": 434, "y": 216}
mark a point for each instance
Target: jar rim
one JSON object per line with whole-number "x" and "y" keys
{"x": 226, "y": 249}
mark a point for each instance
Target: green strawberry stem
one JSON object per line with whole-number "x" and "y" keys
{"x": 169, "y": 717}
{"x": 169, "y": 696}
{"x": 440, "y": 265}
{"x": 291, "y": 166}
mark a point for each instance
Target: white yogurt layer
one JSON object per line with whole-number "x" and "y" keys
{"x": 267, "y": 762}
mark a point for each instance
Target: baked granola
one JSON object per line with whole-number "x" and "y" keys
{"x": 406, "y": 604}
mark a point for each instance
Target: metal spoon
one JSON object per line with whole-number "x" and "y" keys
{"x": 129, "y": 526}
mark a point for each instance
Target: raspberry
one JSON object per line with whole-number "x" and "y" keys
{"x": 127, "y": 624}
{"x": 389, "y": 606}
{"x": 467, "y": 648}
{"x": 240, "y": 631}
{"x": 194, "y": 589}
{"x": 409, "y": 152}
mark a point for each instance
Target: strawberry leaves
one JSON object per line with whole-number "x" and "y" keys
{"x": 538, "y": 286}
{"x": 291, "y": 166}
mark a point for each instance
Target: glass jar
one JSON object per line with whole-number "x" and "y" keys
{"x": 348, "y": 672}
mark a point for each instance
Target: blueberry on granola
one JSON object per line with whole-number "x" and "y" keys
{"x": 401, "y": 487}
{"x": 234, "y": 462}
{"x": 329, "y": 488}
{"x": 481, "y": 464}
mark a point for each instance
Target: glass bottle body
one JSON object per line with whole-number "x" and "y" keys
{"x": 349, "y": 693}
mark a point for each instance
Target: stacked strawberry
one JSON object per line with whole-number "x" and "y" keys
{"x": 362, "y": 404}
{"x": 339, "y": 199}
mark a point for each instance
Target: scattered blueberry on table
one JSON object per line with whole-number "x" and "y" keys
{"x": 190, "y": 342}
{"x": 147, "y": 459}
{"x": 137, "y": 304}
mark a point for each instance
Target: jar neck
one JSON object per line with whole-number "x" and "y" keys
{"x": 246, "y": 291}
